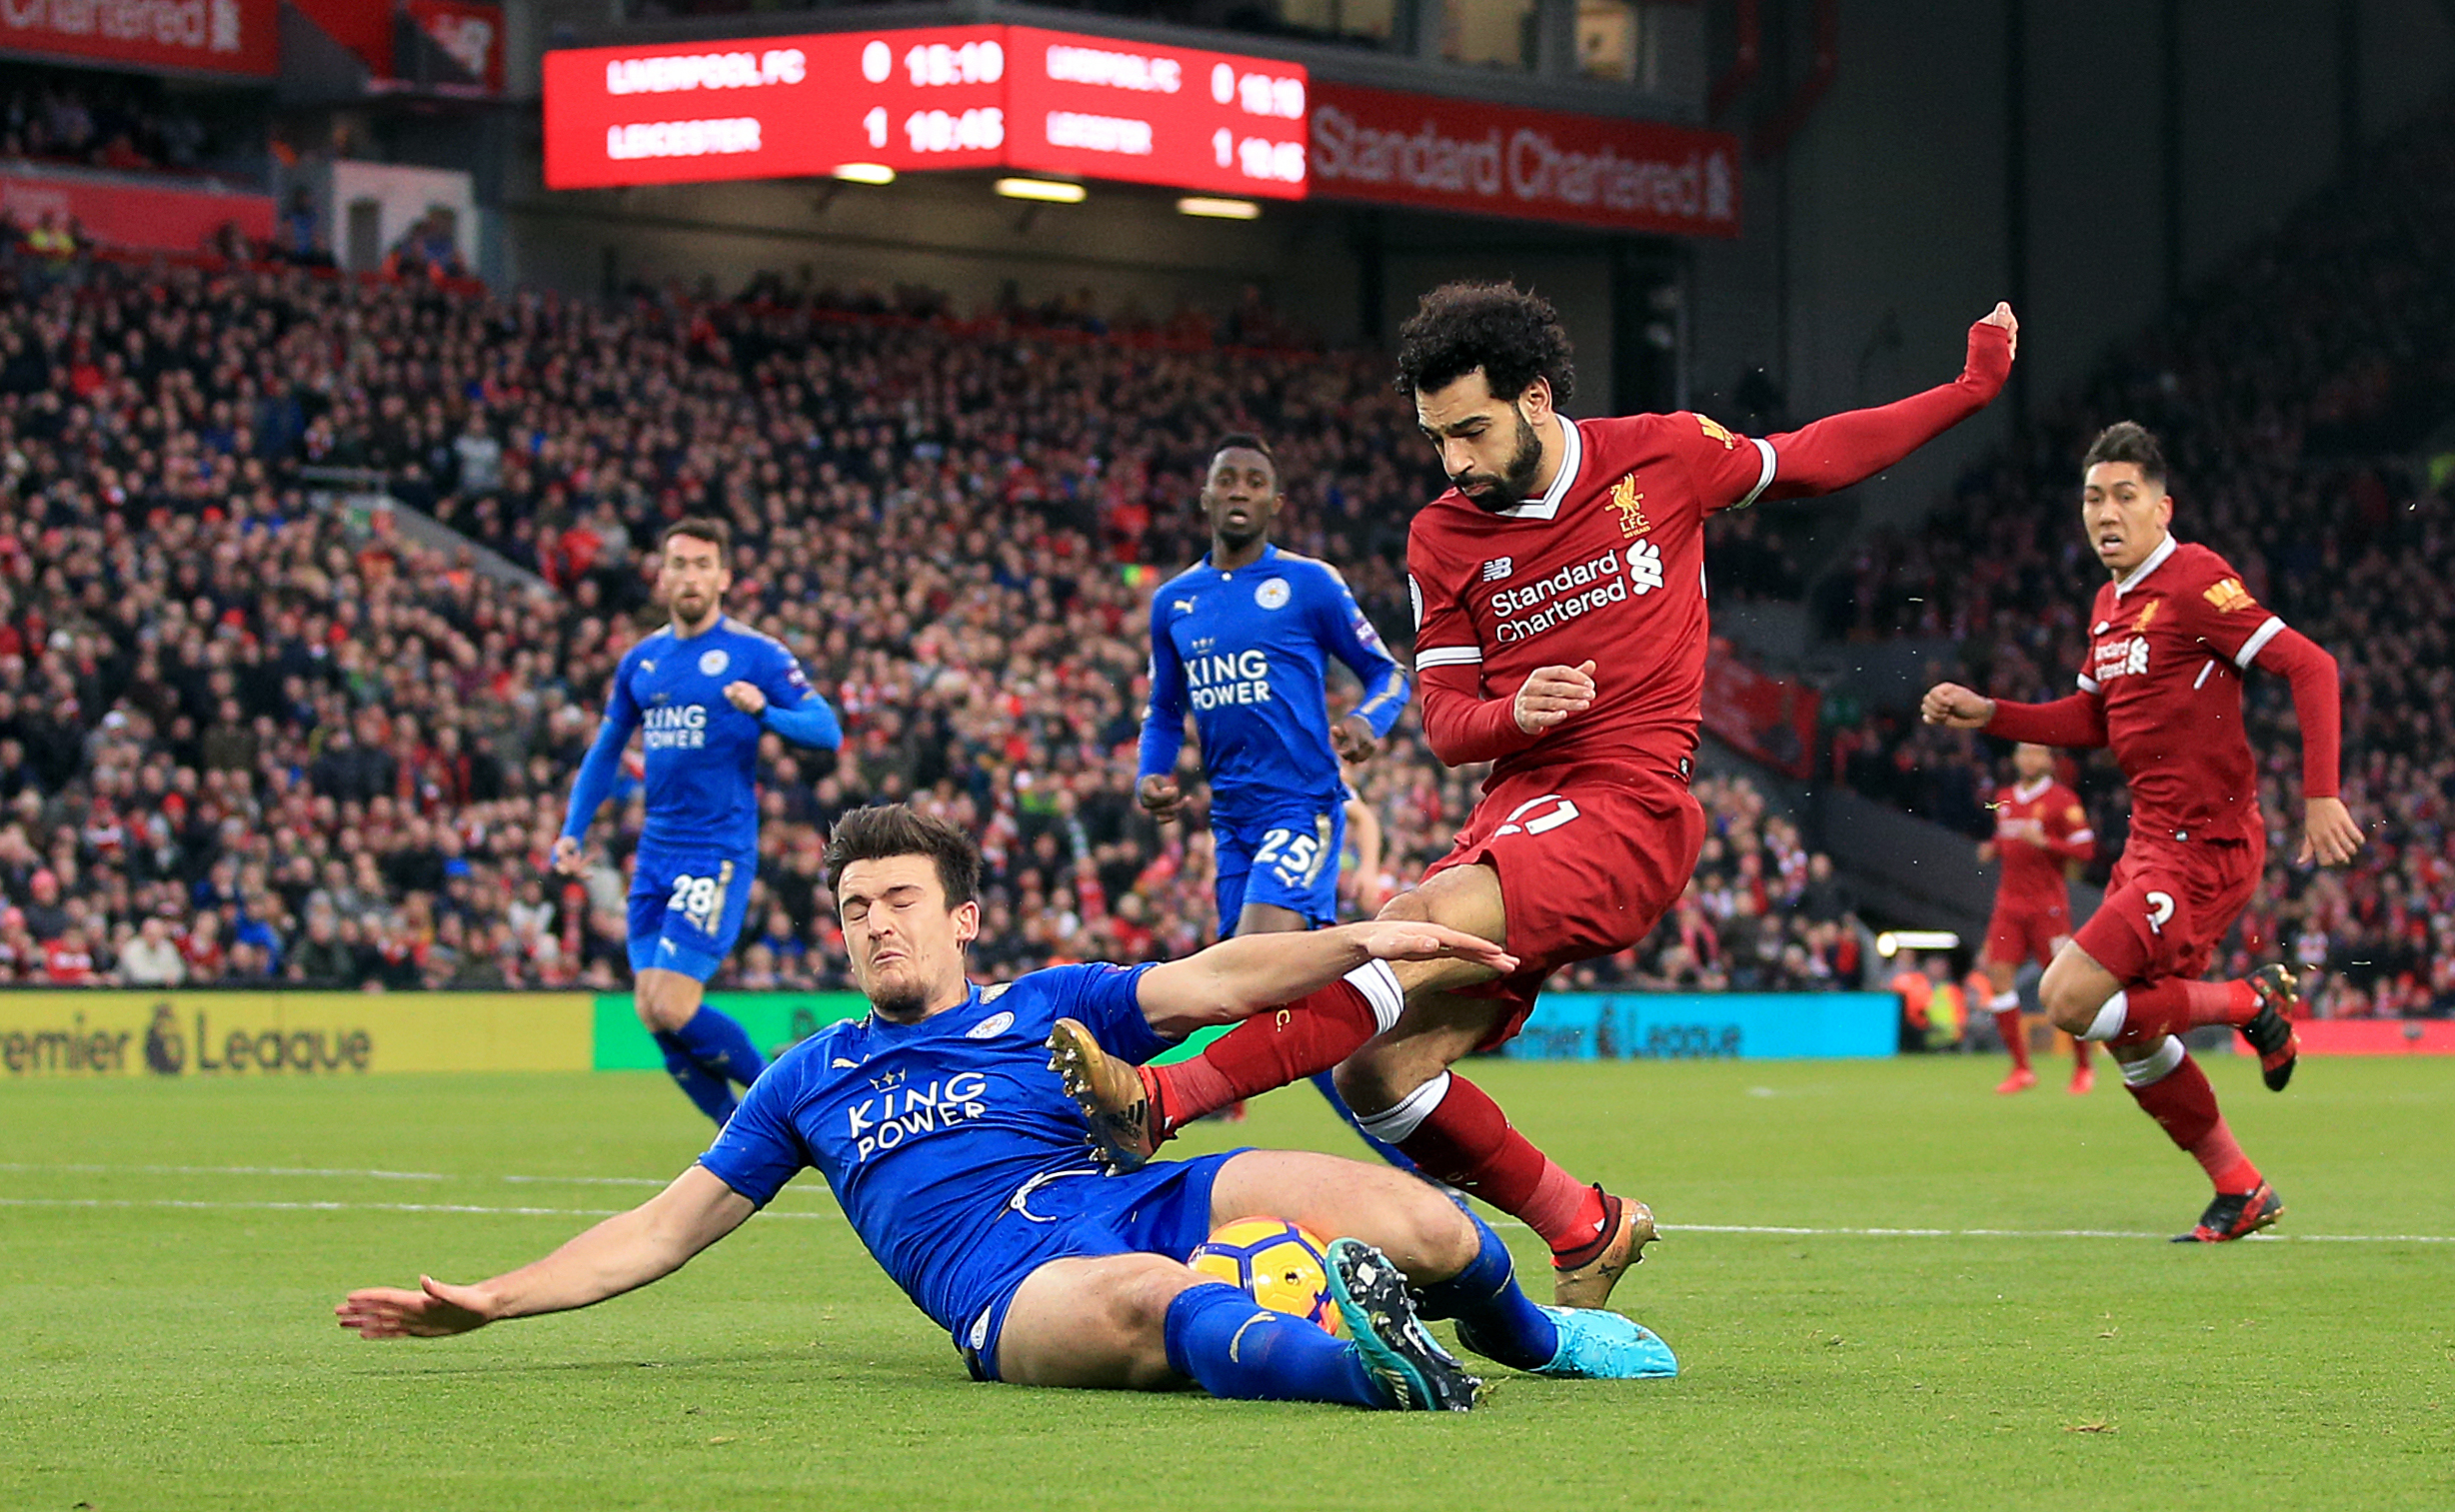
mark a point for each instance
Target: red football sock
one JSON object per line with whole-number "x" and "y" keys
{"x": 2079, "y": 1054}
{"x": 2182, "y": 1103}
{"x": 1468, "y": 1142}
{"x": 1268, "y": 1051}
{"x": 2015, "y": 1040}
{"x": 2174, "y": 1006}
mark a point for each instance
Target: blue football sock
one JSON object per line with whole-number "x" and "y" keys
{"x": 705, "y": 1087}
{"x": 1328, "y": 1087}
{"x": 1503, "y": 1321}
{"x": 1235, "y": 1347}
{"x": 719, "y": 1043}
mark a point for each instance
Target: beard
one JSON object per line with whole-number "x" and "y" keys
{"x": 898, "y": 1004}
{"x": 1489, "y": 491}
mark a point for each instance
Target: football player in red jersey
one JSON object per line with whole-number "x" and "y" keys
{"x": 2041, "y": 833}
{"x": 1560, "y": 635}
{"x": 2170, "y": 637}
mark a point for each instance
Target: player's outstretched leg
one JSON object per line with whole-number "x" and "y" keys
{"x": 2145, "y": 1013}
{"x": 1500, "y": 1322}
{"x": 1455, "y": 1134}
{"x": 1132, "y": 1111}
{"x": 1327, "y": 1086}
{"x": 2169, "y": 1088}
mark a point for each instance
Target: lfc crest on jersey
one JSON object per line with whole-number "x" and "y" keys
{"x": 1631, "y": 504}
{"x": 2147, "y": 612}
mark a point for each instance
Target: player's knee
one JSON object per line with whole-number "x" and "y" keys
{"x": 2067, "y": 998}
{"x": 663, "y": 1005}
{"x": 1370, "y": 1082}
{"x": 1433, "y": 1240}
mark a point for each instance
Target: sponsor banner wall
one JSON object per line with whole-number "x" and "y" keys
{"x": 220, "y": 1033}
{"x": 1710, "y": 1025}
{"x": 133, "y": 216}
{"x": 1436, "y": 152}
{"x": 211, "y": 36}
{"x": 775, "y": 1021}
{"x": 2373, "y": 1037}
{"x": 1770, "y": 719}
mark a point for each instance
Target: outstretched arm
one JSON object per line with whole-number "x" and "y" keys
{"x": 1849, "y": 448}
{"x": 2077, "y": 723}
{"x": 625, "y": 1252}
{"x": 1236, "y": 978}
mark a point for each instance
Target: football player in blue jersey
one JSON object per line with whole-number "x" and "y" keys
{"x": 704, "y": 688}
{"x": 1242, "y": 640}
{"x": 962, "y": 1164}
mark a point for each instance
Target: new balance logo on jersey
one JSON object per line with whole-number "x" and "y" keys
{"x": 1645, "y": 566}
{"x": 1498, "y": 568}
{"x": 2125, "y": 658}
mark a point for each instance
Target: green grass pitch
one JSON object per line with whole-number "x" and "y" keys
{"x": 170, "y": 1253}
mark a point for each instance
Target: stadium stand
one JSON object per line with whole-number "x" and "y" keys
{"x": 2298, "y": 394}
{"x": 259, "y": 737}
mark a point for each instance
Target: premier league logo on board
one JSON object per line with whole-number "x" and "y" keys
{"x": 1272, "y": 593}
{"x": 714, "y": 662}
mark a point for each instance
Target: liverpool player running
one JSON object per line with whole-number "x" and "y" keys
{"x": 1560, "y": 635}
{"x": 2170, "y": 637}
{"x": 2041, "y": 832}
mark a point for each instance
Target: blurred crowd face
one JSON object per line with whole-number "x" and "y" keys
{"x": 2030, "y": 762}
{"x": 2124, "y": 513}
{"x": 693, "y": 576}
{"x": 1492, "y": 448}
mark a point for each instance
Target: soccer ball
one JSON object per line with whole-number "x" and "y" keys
{"x": 1279, "y": 1264}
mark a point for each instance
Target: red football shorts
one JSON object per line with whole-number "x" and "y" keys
{"x": 1590, "y": 855}
{"x": 2019, "y": 935}
{"x": 2169, "y": 906}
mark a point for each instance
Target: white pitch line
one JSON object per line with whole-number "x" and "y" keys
{"x": 341, "y": 1207}
{"x": 1778, "y": 1230}
{"x": 224, "y": 1171}
{"x": 2027, "y": 1233}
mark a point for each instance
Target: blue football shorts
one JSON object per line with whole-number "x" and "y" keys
{"x": 1288, "y": 859}
{"x": 687, "y": 909}
{"x": 1161, "y": 1209}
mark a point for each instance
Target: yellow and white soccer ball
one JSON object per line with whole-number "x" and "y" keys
{"x": 1279, "y": 1264}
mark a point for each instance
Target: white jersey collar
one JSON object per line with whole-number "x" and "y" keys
{"x": 2156, "y": 558}
{"x": 2027, "y": 793}
{"x": 1548, "y": 506}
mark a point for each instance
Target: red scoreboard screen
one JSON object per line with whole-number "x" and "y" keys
{"x": 937, "y": 97}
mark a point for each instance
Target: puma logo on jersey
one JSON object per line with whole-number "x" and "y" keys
{"x": 1181, "y": 606}
{"x": 1631, "y": 504}
{"x": 1498, "y": 568}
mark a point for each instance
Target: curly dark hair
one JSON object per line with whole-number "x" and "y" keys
{"x": 1514, "y": 336}
{"x": 875, "y": 834}
{"x": 2128, "y": 441}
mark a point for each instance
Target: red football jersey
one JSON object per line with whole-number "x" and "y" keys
{"x": 2037, "y": 831}
{"x": 2167, "y": 649}
{"x": 1607, "y": 565}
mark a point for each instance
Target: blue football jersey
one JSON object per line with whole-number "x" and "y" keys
{"x": 929, "y": 1133}
{"x": 702, "y": 753}
{"x": 1247, "y": 651}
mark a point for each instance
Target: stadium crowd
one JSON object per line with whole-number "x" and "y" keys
{"x": 248, "y": 738}
{"x": 2290, "y": 394}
